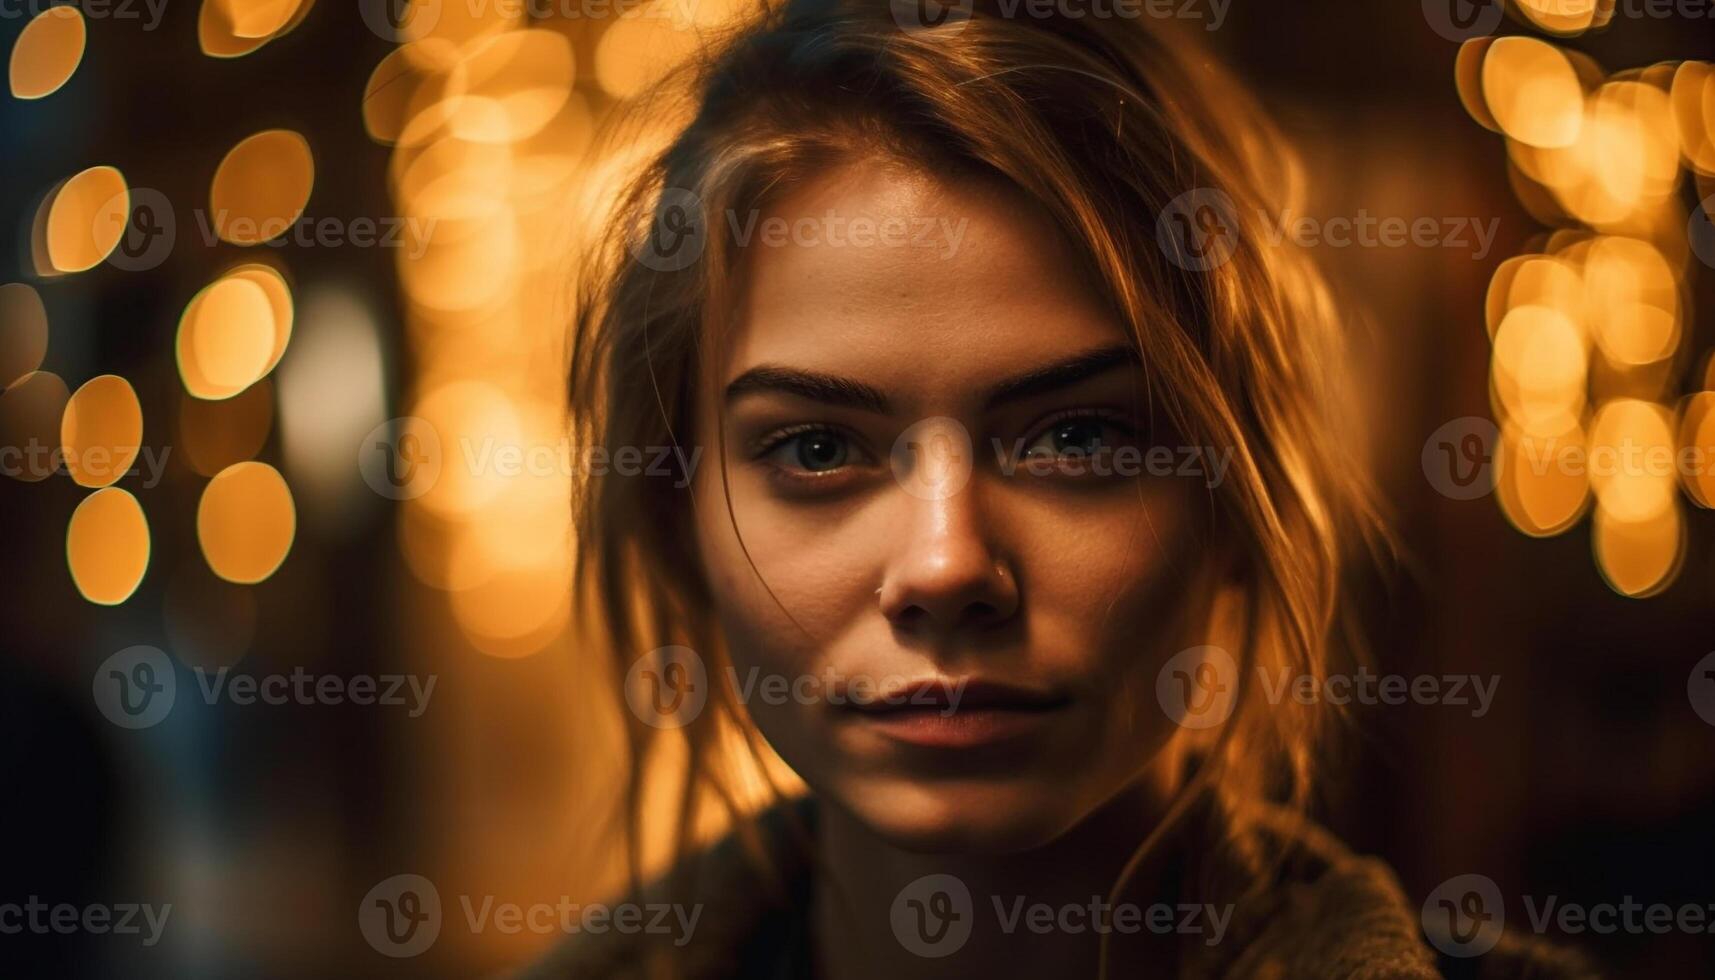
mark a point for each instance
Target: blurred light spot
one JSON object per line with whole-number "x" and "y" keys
{"x": 261, "y": 187}
{"x": 475, "y": 420}
{"x": 516, "y": 604}
{"x": 1533, "y": 92}
{"x": 107, "y": 546}
{"x": 30, "y": 414}
{"x": 516, "y": 83}
{"x": 1562, "y": 17}
{"x": 215, "y": 435}
{"x": 234, "y": 28}
{"x": 279, "y": 299}
{"x": 638, "y": 51}
{"x": 404, "y": 85}
{"x": 102, "y": 431}
{"x": 226, "y": 338}
{"x": 1633, "y": 299}
{"x": 1539, "y": 479}
{"x": 86, "y": 218}
{"x": 246, "y": 522}
{"x": 1639, "y": 558}
{"x": 1632, "y": 452}
{"x": 332, "y": 393}
{"x": 1697, "y": 441}
{"x": 47, "y": 52}
{"x": 1540, "y": 361}
{"x": 23, "y": 332}
{"x": 1693, "y": 97}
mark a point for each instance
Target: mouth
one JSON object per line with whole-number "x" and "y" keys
{"x": 957, "y": 713}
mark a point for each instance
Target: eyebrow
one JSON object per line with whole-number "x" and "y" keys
{"x": 832, "y": 389}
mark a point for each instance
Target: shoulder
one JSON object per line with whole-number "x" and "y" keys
{"x": 730, "y": 910}
{"x": 1320, "y": 910}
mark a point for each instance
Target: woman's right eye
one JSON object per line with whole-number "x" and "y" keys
{"x": 810, "y": 452}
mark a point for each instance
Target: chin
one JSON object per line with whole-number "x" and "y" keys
{"x": 959, "y": 817}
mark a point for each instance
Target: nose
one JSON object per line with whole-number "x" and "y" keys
{"x": 945, "y": 573}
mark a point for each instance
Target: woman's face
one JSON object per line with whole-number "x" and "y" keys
{"x": 948, "y": 576}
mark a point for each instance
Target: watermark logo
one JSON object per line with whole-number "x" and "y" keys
{"x": 1464, "y": 916}
{"x": 1700, "y": 688}
{"x": 1198, "y": 230}
{"x": 918, "y": 15}
{"x": 401, "y": 916}
{"x": 668, "y": 687}
{"x": 932, "y": 459}
{"x": 399, "y": 21}
{"x": 1458, "y": 458}
{"x": 932, "y": 916}
{"x": 678, "y": 234}
{"x": 1700, "y": 229}
{"x": 1198, "y": 687}
{"x": 149, "y": 234}
{"x": 400, "y": 459}
{"x": 135, "y": 688}
{"x": 1461, "y": 20}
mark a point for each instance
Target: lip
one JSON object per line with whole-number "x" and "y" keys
{"x": 957, "y": 713}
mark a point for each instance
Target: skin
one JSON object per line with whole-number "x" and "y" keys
{"x": 889, "y": 567}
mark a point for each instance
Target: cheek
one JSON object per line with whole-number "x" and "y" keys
{"x": 787, "y": 584}
{"x": 1108, "y": 581}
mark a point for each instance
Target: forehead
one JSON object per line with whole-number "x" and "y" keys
{"x": 922, "y": 286}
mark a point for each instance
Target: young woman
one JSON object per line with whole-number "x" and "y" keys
{"x": 1020, "y": 457}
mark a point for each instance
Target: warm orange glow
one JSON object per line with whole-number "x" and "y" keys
{"x": 23, "y": 332}
{"x": 261, "y": 187}
{"x": 246, "y": 521}
{"x": 107, "y": 546}
{"x": 1540, "y": 360}
{"x": 1639, "y": 558}
{"x": 226, "y": 338}
{"x": 47, "y": 52}
{"x": 1539, "y": 483}
{"x": 102, "y": 431}
{"x": 1532, "y": 92}
{"x": 86, "y": 218}
{"x": 30, "y": 414}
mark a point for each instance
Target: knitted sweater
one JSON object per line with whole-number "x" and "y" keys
{"x": 1323, "y": 913}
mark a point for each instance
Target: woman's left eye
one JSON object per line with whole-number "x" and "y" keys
{"x": 1077, "y": 435}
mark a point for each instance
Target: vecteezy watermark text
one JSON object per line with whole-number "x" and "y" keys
{"x": 63, "y": 918}
{"x": 402, "y": 917}
{"x": 934, "y": 916}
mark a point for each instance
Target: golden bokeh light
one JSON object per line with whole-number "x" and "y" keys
{"x": 215, "y": 435}
{"x": 86, "y": 216}
{"x": 1564, "y": 17}
{"x": 261, "y": 187}
{"x": 246, "y": 521}
{"x": 107, "y": 546}
{"x": 47, "y": 52}
{"x": 1697, "y": 443}
{"x": 1639, "y": 558}
{"x": 227, "y": 337}
{"x": 1632, "y": 459}
{"x": 1632, "y": 295}
{"x": 102, "y": 431}
{"x": 30, "y": 414}
{"x": 1693, "y": 97}
{"x": 515, "y": 83}
{"x": 636, "y": 52}
{"x": 23, "y": 332}
{"x": 234, "y": 28}
{"x": 1532, "y": 92}
{"x": 1540, "y": 364}
{"x": 1539, "y": 481}
{"x": 279, "y": 294}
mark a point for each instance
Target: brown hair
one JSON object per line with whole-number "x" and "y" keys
{"x": 1103, "y": 124}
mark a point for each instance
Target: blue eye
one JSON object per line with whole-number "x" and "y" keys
{"x": 1077, "y": 435}
{"x": 810, "y": 451}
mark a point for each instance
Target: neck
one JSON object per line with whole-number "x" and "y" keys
{"x": 1030, "y": 913}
